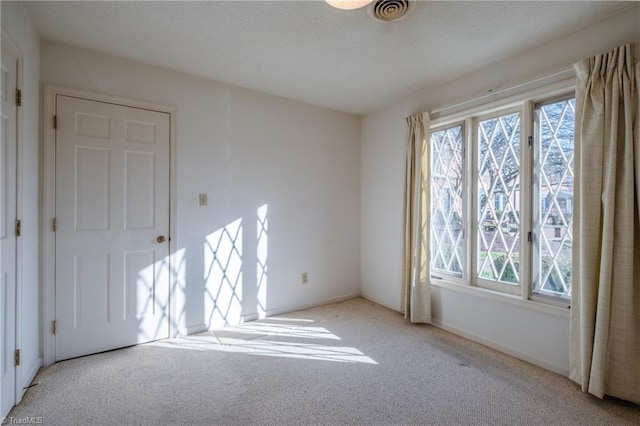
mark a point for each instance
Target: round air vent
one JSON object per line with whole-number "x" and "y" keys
{"x": 389, "y": 10}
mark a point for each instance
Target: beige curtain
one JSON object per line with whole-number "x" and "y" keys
{"x": 417, "y": 291}
{"x": 605, "y": 313}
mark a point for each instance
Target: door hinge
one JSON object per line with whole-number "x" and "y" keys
{"x": 17, "y": 357}
{"x": 18, "y": 97}
{"x": 53, "y": 327}
{"x": 530, "y": 141}
{"x": 54, "y": 225}
{"x": 529, "y": 237}
{"x": 18, "y": 228}
{"x": 55, "y": 121}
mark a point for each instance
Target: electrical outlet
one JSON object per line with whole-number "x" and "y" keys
{"x": 203, "y": 199}
{"x": 305, "y": 278}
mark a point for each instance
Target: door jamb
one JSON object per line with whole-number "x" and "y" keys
{"x": 18, "y": 388}
{"x": 48, "y": 235}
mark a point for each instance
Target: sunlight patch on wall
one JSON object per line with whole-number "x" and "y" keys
{"x": 146, "y": 293}
{"x": 223, "y": 275}
{"x": 178, "y": 298}
{"x": 261, "y": 255}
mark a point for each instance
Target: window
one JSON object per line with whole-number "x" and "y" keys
{"x": 501, "y": 218}
{"x": 553, "y": 183}
{"x": 447, "y": 178}
{"x": 497, "y": 175}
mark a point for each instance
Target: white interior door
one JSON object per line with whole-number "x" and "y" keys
{"x": 8, "y": 190}
{"x": 112, "y": 226}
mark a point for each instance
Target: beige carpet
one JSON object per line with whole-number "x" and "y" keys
{"x": 347, "y": 363}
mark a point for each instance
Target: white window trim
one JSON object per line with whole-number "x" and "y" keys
{"x": 560, "y": 310}
{"x": 463, "y": 277}
{"x": 473, "y": 234}
{"x": 536, "y": 90}
{"x": 535, "y": 200}
{"x": 522, "y": 98}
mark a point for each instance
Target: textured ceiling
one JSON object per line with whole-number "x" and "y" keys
{"x": 311, "y": 52}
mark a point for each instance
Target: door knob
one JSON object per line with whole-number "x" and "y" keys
{"x": 161, "y": 239}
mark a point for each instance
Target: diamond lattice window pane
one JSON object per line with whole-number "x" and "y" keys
{"x": 554, "y": 187}
{"x": 498, "y": 219}
{"x": 446, "y": 200}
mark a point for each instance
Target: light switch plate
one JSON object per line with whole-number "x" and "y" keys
{"x": 203, "y": 199}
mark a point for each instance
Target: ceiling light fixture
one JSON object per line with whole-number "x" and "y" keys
{"x": 348, "y": 4}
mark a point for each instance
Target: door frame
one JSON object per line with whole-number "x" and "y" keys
{"x": 18, "y": 385}
{"x": 48, "y": 236}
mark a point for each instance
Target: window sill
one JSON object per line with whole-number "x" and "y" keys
{"x": 532, "y": 305}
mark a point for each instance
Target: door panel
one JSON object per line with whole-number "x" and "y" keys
{"x": 8, "y": 191}
{"x": 91, "y": 290}
{"x": 112, "y": 203}
{"x": 139, "y": 190}
{"x": 91, "y": 189}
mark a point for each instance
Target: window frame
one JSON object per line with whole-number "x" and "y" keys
{"x": 444, "y": 275}
{"x": 536, "y": 201}
{"x": 491, "y": 106}
{"x": 472, "y": 141}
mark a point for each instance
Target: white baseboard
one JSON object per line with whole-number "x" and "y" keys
{"x": 293, "y": 308}
{"x": 199, "y": 328}
{"x": 250, "y": 317}
{"x": 193, "y": 329}
{"x": 501, "y": 348}
{"x": 381, "y": 303}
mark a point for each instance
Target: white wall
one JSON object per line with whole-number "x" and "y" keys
{"x": 538, "y": 335}
{"x": 16, "y": 22}
{"x": 245, "y": 149}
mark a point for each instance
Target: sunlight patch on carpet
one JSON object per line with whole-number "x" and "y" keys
{"x": 250, "y": 338}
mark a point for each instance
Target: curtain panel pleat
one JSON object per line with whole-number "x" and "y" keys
{"x": 605, "y": 314}
{"x": 417, "y": 290}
